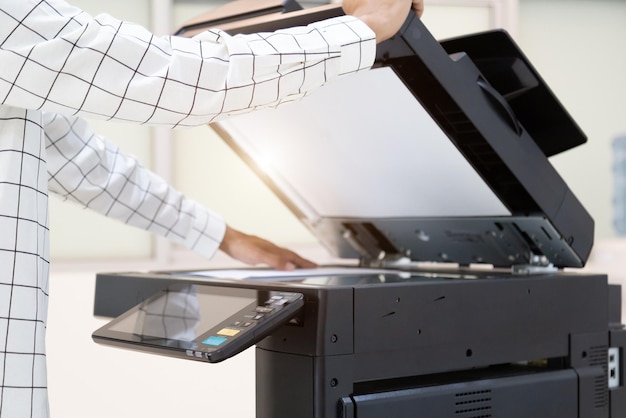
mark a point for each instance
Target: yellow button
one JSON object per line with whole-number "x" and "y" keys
{"x": 229, "y": 332}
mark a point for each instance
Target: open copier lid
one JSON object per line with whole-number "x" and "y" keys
{"x": 437, "y": 154}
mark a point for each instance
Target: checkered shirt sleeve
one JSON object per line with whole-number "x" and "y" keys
{"x": 58, "y": 58}
{"x": 92, "y": 171}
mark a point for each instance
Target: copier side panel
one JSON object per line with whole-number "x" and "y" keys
{"x": 454, "y": 325}
{"x": 551, "y": 394}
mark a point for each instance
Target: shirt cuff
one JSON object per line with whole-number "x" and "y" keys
{"x": 207, "y": 232}
{"x": 357, "y": 43}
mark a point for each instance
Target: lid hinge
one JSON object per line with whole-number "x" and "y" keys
{"x": 538, "y": 264}
{"x": 385, "y": 261}
{"x": 373, "y": 246}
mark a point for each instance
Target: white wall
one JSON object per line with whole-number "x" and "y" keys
{"x": 578, "y": 48}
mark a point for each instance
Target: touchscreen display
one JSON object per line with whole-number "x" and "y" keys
{"x": 184, "y": 314}
{"x": 201, "y": 322}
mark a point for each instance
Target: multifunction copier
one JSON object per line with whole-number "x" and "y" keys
{"x": 461, "y": 295}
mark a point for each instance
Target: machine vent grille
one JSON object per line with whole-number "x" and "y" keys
{"x": 598, "y": 357}
{"x": 476, "y": 404}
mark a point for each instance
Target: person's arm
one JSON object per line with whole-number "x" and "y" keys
{"x": 57, "y": 58}
{"x": 90, "y": 170}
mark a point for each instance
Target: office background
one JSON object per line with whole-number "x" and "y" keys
{"x": 576, "y": 45}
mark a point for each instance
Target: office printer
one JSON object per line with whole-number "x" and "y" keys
{"x": 431, "y": 171}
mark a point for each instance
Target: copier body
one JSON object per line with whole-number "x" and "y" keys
{"x": 521, "y": 338}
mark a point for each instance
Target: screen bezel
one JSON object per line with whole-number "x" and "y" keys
{"x": 193, "y": 349}
{"x": 111, "y": 332}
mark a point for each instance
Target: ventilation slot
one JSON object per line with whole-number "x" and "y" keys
{"x": 473, "y": 404}
{"x": 598, "y": 357}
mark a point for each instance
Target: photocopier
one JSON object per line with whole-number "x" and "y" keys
{"x": 429, "y": 174}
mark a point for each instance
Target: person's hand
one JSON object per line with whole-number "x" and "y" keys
{"x": 384, "y": 17}
{"x": 254, "y": 250}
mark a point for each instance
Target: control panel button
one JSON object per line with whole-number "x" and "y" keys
{"x": 229, "y": 332}
{"x": 215, "y": 341}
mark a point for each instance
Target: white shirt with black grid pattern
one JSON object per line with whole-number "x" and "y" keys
{"x": 59, "y": 65}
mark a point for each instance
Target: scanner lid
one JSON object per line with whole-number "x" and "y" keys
{"x": 438, "y": 154}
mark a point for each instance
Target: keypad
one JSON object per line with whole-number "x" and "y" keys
{"x": 249, "y": 320}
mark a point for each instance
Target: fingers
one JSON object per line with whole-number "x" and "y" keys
{"x": 418, "y": 7}
{"x": 384, "y": 17}
{"x": 303, "y": 263}
{"x": 283, "y": 259}
{"x": 254, "y": 250}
